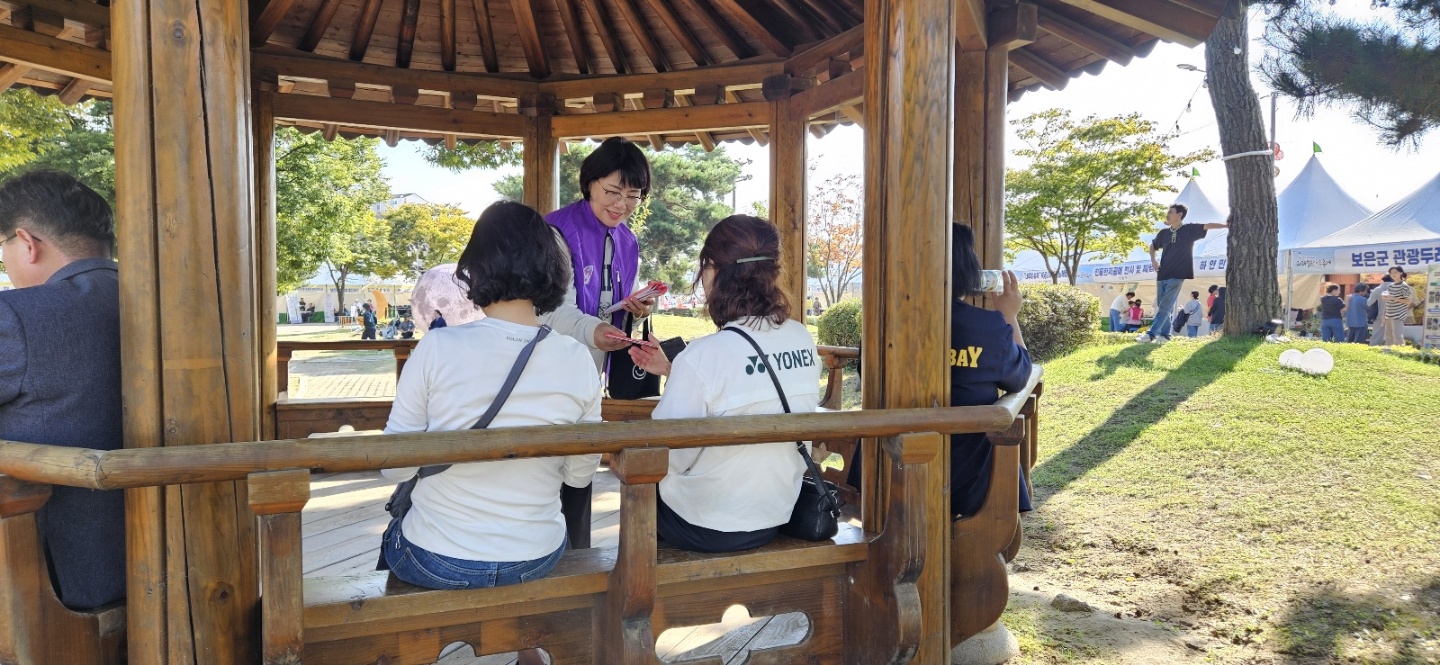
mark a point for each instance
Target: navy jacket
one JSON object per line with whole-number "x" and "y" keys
{"x": 60, "y": 385}
{"x": 984, "y": 361}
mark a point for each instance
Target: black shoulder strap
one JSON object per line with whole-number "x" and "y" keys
{"x": 500, "y": 398}
{"x": 785, "y": 404}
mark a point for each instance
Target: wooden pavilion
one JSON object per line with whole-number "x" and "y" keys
{"x": 199, "y": 86}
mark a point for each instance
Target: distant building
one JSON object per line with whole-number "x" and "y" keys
{"x": 399, "y": 200}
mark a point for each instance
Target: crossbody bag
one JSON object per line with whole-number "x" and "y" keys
{"x": 816, "y": 515}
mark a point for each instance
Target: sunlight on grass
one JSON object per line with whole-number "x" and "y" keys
{"x": 1202, "y": 484}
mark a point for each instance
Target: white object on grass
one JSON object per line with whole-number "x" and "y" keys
{"x": 1317, "y": 361}
{"x": 1290, "y": 358}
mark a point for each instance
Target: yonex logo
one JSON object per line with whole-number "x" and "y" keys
{"x": 755, "y": 364}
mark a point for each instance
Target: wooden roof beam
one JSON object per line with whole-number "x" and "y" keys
{"x": 829, "y": 96}
{"x": 10, "y": 74}
{"x": 821, "y": 53}
{"x": 1013, "y": 26}
{"x": 37, "y": 51}
{"x": 753, "y": 26}
{"x": 702, "y": 10}
{"x": 798, "y": 21}
{"x": 1180, "y": 21}
{"x": 364, "y": 30}
{"x": 81, "y": 11}
{"x": 530, "y": 38}
{"x": 681, "y": 119}
{"x": 757, "y": 134}
{"x": 73, "y": 91}
{"x": 574, "y": 32}
{"x": 641, "y": 32}
{"x": 487, "y": 36}
{"x": 970, "y": 31}
{"x": 826, "y": 10}
{"x": 265, "y": 16}
{"x": 1053, "y": 77}
{"x": 1085, "y": 37}
{"x": 681, "y": 32}
{"x": 319, "y": 23}
{"x": 707, "y": 140}
{"x": 409, "y": 17}
{"x": 382, "y": 115}
{"x": 602, "y": 24}
{"x": 448, "y": 47}
{"x": 327, "y": 69}
{"x": 750, "y": 75}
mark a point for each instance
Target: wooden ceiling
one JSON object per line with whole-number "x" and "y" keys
{"x": 592, "y": 55}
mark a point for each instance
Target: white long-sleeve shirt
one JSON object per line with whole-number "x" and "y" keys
{"x": 739, "y": 488}
{"x": 507, "y": 510}
{"x": 1119, "y": 304}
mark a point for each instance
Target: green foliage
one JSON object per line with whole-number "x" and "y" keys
{"x": 1057, "y": 319}
{"x": 422, "y": 236}
{"x": 324, "y": 191}
{"x": 466, "y": 156}
{"x": 687, "y": 191}
{"x": 1386, "y": 72}
{"x": 1089, "y": 186}
{"x": 841, "y": 324}
{"x": 41, "y": 133}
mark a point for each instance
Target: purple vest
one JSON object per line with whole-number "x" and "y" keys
{"x": 585, "y": 236}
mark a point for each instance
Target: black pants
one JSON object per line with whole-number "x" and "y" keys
{"x": 575, "y": 505}
{"x": 368, "y": 334}
{"x": 674, "y": 530}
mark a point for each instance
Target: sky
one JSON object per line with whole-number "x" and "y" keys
{"x": 1153, "y": 86}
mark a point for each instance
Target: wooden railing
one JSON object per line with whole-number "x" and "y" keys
{"x": 298, "y": 418}
{"x": 858, "y": 591}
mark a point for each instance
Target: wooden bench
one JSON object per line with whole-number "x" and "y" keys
{"x": 34, "y": 626}
{"x": 607, "y": 606}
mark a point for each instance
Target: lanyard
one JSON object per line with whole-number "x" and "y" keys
{"x": 607, "y": 277}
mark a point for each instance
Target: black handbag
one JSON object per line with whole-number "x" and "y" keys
{"x": 816, "y": 515}
{"x": 400, "y": 502}
{"x": 625, "y": 379}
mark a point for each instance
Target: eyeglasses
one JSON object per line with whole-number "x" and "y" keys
{"x": 611, "y": 197}
{"x": 6, "y": 242}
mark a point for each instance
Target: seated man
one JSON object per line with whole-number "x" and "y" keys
{"x": 60, "y": 366}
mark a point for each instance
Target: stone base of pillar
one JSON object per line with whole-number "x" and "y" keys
{"x": 993, "y": 646}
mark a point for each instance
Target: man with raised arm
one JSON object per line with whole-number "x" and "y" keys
{"x": 60, "y": 367}
{"x": 1176, "y": 244}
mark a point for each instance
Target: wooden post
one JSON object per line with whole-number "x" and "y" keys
{"x": 625, "y": 634}
{"x": 542, "y": 153}
{"x": 981, "y": 89}
{"x": 909, "y": 111}
{"x": 185, "y": 222}
{"x": 276, "y": 498}
{"x": 265, "y": 255}
{"x": 787, "y": 193}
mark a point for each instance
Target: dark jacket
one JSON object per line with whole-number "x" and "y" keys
{"x": 60, "y": 385}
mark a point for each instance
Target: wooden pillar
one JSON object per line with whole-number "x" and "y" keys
{"x": 265, "y": 248}
{"x": 542, "y": 153}
{"x": 187, "y": 246}
{"x": 909, "y": 112}
{"x": 981, "y": 92}
{"x": 788, "y": 191}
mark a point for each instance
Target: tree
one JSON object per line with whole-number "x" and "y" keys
{"x": 687, "y": 191}
{"x": 1253, "y": 297}
{"x": 1088, "y": 191}
{"x": 834, "y": 234}
{"x": 466, "y": 156}
{"x": 324, "y": 193}
{"x": 422, "y": 236}
{"x": 42, "y": 133}
{"x": 1388, "y": 73}
{"x": 364, "y": 250}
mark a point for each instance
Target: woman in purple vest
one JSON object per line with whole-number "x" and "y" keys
{"x": 604, "y": 254}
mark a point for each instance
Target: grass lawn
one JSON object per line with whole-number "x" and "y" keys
{"x": 1269, "y": 516}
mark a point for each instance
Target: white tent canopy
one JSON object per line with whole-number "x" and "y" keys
{"x": 1314, "y": 206}
{"x": 1209, "y": 254}
{"x": 1405, "y": 234}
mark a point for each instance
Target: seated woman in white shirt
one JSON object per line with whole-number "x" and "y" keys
{"x": 734, "y": 498}
{"x": 495, "y": 523}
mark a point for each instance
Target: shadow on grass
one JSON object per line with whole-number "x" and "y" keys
{"x": 1142, "y": 411}
{"x": 1374, "y": 627}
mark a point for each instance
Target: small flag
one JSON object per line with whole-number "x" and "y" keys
{"x": 1316, "y": 146}
{"x": 1194, "y": 172}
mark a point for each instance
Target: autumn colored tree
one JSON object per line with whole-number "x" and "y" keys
{"x": 834, "y": 234}
{"x": 425, "y": 235}
{"x": 1088, "y": 190}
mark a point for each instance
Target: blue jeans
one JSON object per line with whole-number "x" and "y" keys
{"x": 1358, "y": 334}
{"x": 1192, "y": 331}
{"x": 1114, "y": 321}
{"x": 1332, "y": 330}
{"x": 1166, "y": 292}
{"x": 424, "y": 568}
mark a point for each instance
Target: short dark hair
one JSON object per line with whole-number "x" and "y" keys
{"x": 1362, "y": 287}
{"x": 1195, "y": 295}
{"x": 1332, "y": 288}
{"x": 1403, "y": 274}
{"x": 616, "y": 154}
{"x": 61, "y": 210}
{"x": 966, "y": 279}
{"x": 1180, "y": 208}
{"x": 514, "y": 255}
{"x": 750, "y": 289}
{"x": 1213, "y": 288}
{"x": 1129, "y": 293}
{"x": 1137, "y": 302}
